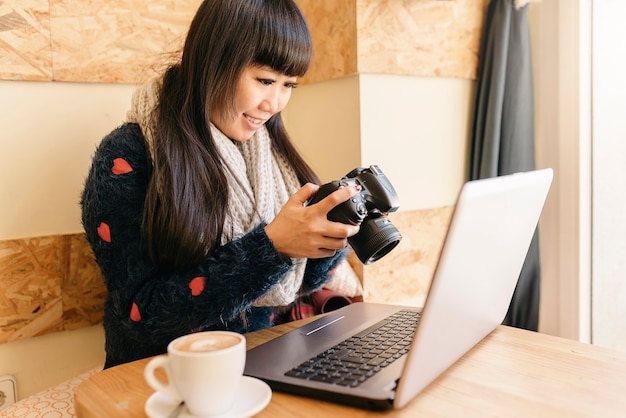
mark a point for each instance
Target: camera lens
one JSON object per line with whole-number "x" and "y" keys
{"x": 376, "y": 238}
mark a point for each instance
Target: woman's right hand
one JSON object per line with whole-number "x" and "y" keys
{"x": 302, "y": 231}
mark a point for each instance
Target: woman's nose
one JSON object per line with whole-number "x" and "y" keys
{"x": 270, "y": 103}
{"x": 275, "y": 101}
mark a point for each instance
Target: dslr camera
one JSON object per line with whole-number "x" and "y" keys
{"x": 377, "y": 236}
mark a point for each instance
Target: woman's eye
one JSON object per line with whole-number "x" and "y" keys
{"x": 291, "y": 85}
{"x": 266, "y": 81}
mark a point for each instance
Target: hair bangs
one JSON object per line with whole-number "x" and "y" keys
{"x": 285, "y": 43}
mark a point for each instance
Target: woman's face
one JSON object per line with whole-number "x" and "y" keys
{"x": 261, "y": 93}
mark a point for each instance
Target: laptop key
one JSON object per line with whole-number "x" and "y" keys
{"x": 376, "y": 361}
{"x": 355, "y": 359}
{"x": 340, "y": 354}
{"x": 325, "y": 378}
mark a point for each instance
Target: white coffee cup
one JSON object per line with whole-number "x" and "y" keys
{"x": 203, "y": 370}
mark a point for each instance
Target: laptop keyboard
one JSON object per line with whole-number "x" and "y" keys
{"x": 360, "y": 357}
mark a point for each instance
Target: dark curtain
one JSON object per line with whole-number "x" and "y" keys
{"x": 503, "y": 129}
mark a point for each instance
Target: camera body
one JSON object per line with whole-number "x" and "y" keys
{"x": 377, "y": 236}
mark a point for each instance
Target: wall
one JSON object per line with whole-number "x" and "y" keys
{"x": 49, "y": 132}
{"x": 44, "y": 361}
{"x": 608, "y": 309}
{"x": 84, "y": 41}
{"x": 580, "y": 127}
{"x": 400, "y": 98}
{"x": 394, "y": 121}
{"x": 561, "y": 36}
{"x": 348, "y": 117}
{"x": 369, "y": 119}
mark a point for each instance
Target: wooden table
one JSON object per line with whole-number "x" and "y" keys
{"x": 511, "y": 373}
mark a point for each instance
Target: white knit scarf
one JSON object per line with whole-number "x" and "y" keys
{"x": 260, "y": 182}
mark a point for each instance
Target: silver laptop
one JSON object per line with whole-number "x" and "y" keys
{"x": 489, "y": 235}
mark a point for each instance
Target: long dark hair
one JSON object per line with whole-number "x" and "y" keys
{"x": 188, "y": 193}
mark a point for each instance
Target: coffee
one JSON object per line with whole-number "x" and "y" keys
{"x": 206, "y": 342}
{"x": 203, "y": 369}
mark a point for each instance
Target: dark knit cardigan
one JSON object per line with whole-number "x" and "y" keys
{"x": 147, "y": 307}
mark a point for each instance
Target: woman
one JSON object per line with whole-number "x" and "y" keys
{"x": 195, "y": 208}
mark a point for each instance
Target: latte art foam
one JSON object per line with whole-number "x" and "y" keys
{"x": 206, "y": 342}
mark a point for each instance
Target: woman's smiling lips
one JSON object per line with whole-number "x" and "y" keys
{"x": 254, "y": 121}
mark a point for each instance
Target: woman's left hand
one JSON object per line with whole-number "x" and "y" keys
{"x": 305, "y": 231}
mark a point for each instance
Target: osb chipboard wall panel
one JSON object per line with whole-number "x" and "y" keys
{"x": 420, "y": 37}
{"x": 25, "y": 52}
{"x": 333, "y": 29}
{"x": 86, "y": 41}
{"x": 83, "y": 288}
{"x": 128, "y": 41}
{"x": 116, "y": 41}
{"x": 408, "y": 37}
{"x": 48, "y": 284}
{"x": 30, "y": 297}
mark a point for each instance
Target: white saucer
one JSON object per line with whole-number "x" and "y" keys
{"x": 253, "y": 395}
